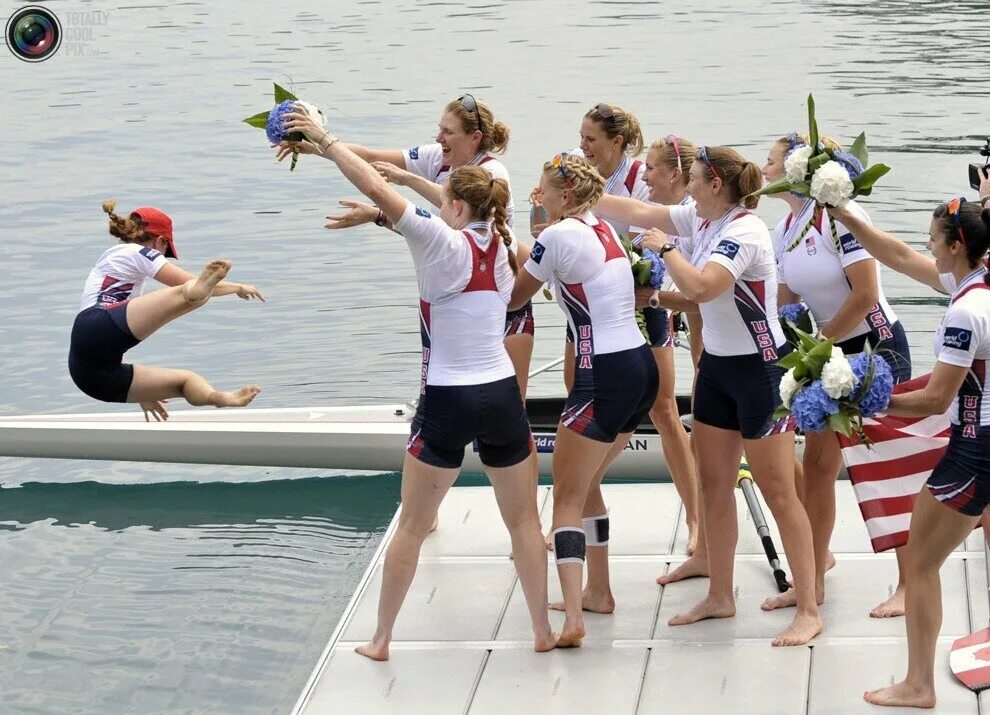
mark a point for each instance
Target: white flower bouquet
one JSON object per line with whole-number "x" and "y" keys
{"x": 830, "y": 177}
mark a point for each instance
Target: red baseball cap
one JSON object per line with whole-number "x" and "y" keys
{"x": 158, "y": 223}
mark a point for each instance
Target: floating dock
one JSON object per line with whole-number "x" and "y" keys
{"x": 463, "y": 643}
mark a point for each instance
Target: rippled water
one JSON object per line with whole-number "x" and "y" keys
{"x": 146, "y": 595}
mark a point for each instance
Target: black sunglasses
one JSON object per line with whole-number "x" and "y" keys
{"x": 471, "y": 104}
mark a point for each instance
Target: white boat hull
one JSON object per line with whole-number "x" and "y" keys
{"x": 364, "y": 439}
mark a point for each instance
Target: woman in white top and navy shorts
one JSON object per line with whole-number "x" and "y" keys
{"x": 615, "y": 377}
{"x": 737, "y": 389}
{"x": 958, "y": 490}
{"x": 114, "y": 317}
{"x": 840, "y": 283}
{"x": 468, "y": 135}
{"x": 468, "y": 390}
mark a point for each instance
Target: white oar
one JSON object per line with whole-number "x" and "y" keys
{"x": 544, "y": 368}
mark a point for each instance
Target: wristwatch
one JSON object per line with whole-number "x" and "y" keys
{"x": 381, "y": 219}
{"x": 665, "y": 248}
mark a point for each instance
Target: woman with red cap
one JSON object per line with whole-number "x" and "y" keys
{"x": 114, "y": 317}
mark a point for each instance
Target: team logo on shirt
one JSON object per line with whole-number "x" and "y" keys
{"x": 729, "y": 249}
{"x": 414, "y": 153}
{"x": 423, "y": 212}
{"x": 957, "y": 338}
{"x": 809, "y": 246}
{"x": 537, "y": 253}
{"x": 849, "y": 243}
{"x": 150, "y": 253}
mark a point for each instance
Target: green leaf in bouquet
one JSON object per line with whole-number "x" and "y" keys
{"x": 258, "y": 120}
{"x": 808, "y": 342}
{"x": 641, "y": 324}
{"x": 840, "y": 422}
{"x": 801, "y": 371}
{"x": 780, "y": 412}
{"x": 858, "y": 150}
{"x": 777, "y": 187}
{"x": 641, "y": 272}
{"x": 812, "y": 124}
{"x": 816, "y": 162}
{"x": 282, "y": 94}
{"x": 863, "y": 184}
{"x": 791, "y": 359}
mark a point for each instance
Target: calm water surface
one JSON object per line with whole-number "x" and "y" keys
{"x": 161, "y": 589}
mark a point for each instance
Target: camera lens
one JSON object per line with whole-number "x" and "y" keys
{"x": 33, "y": 33}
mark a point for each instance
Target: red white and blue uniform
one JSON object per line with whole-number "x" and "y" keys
{"x": 427, "y": 161}
{"x": 658, "y": 322}
{"x": 961, "y": 479}
{"x": 100, "y": 335}
{"x": 468, "y": 387}
{"x": 616, "y": 378}
{"x": 814, "y": 268}
{"x": 738, "y": 377}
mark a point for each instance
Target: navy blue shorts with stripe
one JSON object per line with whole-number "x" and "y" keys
{"x": 450, "y": 417}
{"x": 740, "y": 393}
{"x": 894, "y": 350}
{"x": 621, "y": 393}
{"x": 658, "y": 327}
{"x": 520, "y": 322}
{"x": 100, "y": 337}
{"x": 961, "y": 479}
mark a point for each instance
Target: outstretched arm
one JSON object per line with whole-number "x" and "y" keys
{"x": 358, "y": 171}
{"x": 394, "y": 174}
{"x": 935, "y": 398}
{"x": 890, "y": 250}
{"x": 635, "y": 213}
{"x": 525, "y": 288}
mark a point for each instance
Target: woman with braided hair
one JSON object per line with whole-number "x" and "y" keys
{"x": 114, "y": 317}
{"x": 468, "y": 135}
{"x": 615, "y": 377}
{"x": 468, "y": 388}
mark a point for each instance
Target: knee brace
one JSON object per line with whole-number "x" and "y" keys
{"x": 596, "y": 530}
{"x": 568, "y": 545}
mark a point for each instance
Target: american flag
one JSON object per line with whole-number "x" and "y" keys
{"x": 887, "y": 476}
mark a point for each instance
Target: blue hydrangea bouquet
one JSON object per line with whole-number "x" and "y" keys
{"x": 647, "y": 266}
{"x": 829, "y": 176}
{"x": 273, "y": 120}
{"x": 823, "y": 388}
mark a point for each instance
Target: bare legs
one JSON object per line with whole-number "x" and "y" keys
{"x": 772, "y": 462}
{"x": 935, "y": 531}
{"x": 520, "y": 349}
{"x": 423, "y": 488}
{"x": 674, "y": 440}
{"x": 576, "y": 462}
{"x": 147, "y": 313}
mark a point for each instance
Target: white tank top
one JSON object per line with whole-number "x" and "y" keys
{"x": 742, "y": 320}
{"x": 963, "y": 339}
{"x": 119, "y": 275}
{"x": 593, "y": 282}
{"x": 465, "y": 283}
{"x": 814, "y": 268}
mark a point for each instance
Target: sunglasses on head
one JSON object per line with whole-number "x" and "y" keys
{"x": 703, "y": 155}
{"x": 605, "y": 111}
{"x": 672, "y": 140}
{"x": 471, "y": 104}
{"x": 955, "y": 208}
{"x": 794, "y": 140}
{"x": 558, "y": 163}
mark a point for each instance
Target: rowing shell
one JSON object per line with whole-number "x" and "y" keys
{"x": 365, "y": 439}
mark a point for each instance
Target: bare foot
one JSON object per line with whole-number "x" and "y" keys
{"x": 830, "y": 562}
{"x": 545, "y": 642}
{"x": 901, "y": 695}
{"x": 571, "y": 634}
{"x": 591, "y": 602}
{"x": 802, "y": 629}
{"x": 891, "y": 608}
{"x": 202, "y": 288}
{"x": 709, "y": 608}
{"x": 695, "y": 567}
{"x": 375, "y": 651}
{"x": 692, "y": 537}
{"x": 239, "y": 398}
{"x": 788, "y": 599}
{"x": 436, "y": 525}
